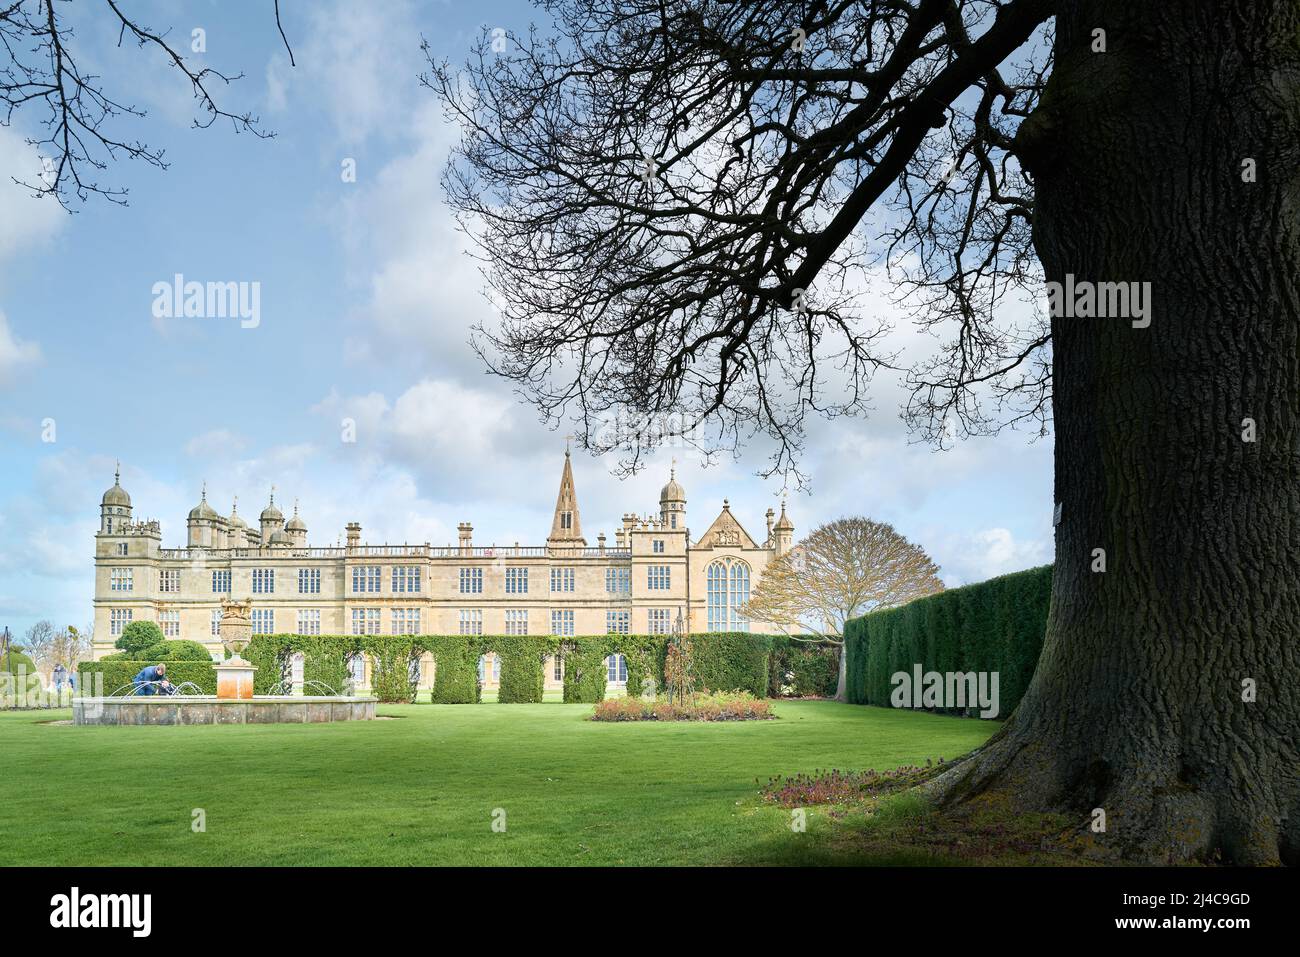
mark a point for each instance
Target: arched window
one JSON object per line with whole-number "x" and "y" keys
{"x": 727, "y": 591}
{"x": 616, "y": 669}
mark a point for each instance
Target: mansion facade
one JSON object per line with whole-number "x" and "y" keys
{"x": 652, "y": 579}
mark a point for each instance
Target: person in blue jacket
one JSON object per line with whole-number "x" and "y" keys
{"x": 152, "y": 679}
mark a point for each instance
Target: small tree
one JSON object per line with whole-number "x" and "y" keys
{"x": 139, "y": 635}
{"x": 40, "y": 644}
{"x": 843, "y": 569}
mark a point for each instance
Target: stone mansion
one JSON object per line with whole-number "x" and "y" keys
{"x": 652, "y": 578}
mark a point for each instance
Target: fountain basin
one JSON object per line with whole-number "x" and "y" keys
{"x": 208, "y": 709}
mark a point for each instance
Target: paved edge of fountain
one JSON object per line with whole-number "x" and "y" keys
{"x": 288, "y": 709}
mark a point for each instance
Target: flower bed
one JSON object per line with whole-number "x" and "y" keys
{"x": 845, "y": 787}
{"x": 706, "y": 706}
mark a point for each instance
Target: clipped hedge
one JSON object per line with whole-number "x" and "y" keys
{"x": 522, "y": 677}
{"x": 802, "y": 669}
{"x": 116, "y": 673}
{"x": 731, "y": 661}
{"x": 455, "y": 668}
{"x": 585, "y": 673}
{"x": 723, "y": 661}
{"x": 993, "y": 626}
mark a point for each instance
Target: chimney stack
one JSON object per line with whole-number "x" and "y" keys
{"x": 466, "y": 531}
{"x": 354, "y": 534}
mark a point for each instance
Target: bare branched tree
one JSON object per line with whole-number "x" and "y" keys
{"x": 676, "y": 202}
{"x": 40, "y": 644}
{"x": 40, "y": 71}
{"x": 844, "y": 569}
{"x": 667, "y": 208}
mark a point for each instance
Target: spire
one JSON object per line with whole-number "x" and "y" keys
{"x": 117, "y": 473}
{"x": 566, "y": 526}
{"x": 203, "y": 495}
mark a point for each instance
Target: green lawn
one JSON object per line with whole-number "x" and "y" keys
{"x": 421, "y": 789}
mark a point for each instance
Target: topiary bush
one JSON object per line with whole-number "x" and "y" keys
{"x": 585, "y": 672}
{"x": 802, "y": 669}
{"x": 731, "y": 661}
{"x": 15, "y": 662}
{"x": 522, "y": 660}
{"x": 455, "y": 668}
{"x": 19, "y": 680}
{"x": 139, "y": 635}
{"x": 391, "y": 679}
{"x": 174, "y": 650}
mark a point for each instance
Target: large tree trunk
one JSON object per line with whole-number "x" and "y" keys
{"x": 1137, "y": 703}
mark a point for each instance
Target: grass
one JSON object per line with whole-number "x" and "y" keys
{"x": 422, "y": 788}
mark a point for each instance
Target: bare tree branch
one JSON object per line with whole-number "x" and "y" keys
{"x": 40, "y": 66}
{"x": 669, "y": 203}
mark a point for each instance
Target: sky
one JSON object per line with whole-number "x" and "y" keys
{"x": 366, "y": 300}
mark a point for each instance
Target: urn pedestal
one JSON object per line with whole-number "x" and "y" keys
{"x": 234, "y": 678}
{"x": 235, "y": 675}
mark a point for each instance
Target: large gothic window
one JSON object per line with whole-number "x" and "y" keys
{"x": 728, "y": 590}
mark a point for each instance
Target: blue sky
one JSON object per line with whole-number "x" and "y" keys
{"x": 366, "y": 300}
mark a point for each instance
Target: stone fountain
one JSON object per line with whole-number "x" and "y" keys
{"x": 234, "y": 702}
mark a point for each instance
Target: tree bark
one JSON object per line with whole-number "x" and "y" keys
{"x": 1137, "y": 705}
{"x": 841, "y": 684}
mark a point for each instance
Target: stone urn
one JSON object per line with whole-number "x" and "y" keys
{"x": 235, "y": 675}
{"x": 236, "y": 627}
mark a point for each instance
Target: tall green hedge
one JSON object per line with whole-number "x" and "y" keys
{"x": 455, "y": 662}
{"x": 585, "y": 673}
{"x": 992, "y": 626}
{"x": 724, "y": 661}
{"x": 391, "y": 678}
{"x": 522, "y": 677}
{"x": 731, "y": 661}
{"x": 806, "y": 669}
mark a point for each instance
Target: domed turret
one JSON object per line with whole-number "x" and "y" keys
{"x": 237, "y": 528}
{"x": 117, "y": 495}
{"x": 271, "y": 513}
{"x": 203, "y": 524}
{"x": 272, "y": 520}
{"x": 297, "y": 528}
{"x": 672, "y": 502}
{"x": 115, "y": 506}
{"x": 203, "y": 510}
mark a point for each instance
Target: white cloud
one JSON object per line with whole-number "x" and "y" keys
{"x": 15, "y": 353}
{"x": 28, "y": 221}
{"x": 360, "y": 60}
{"x": 216, "y": 443}
{"x": 976, "y": 556}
